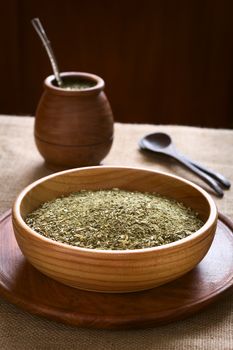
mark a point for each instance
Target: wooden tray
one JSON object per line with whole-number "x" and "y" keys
{"x": 24, "y": 286}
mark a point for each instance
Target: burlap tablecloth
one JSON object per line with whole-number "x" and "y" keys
{"x": 20, "y": 164}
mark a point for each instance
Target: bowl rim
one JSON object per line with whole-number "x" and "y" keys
{"x": 20, "y": 221}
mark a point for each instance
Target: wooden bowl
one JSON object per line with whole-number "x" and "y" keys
{"x": 113, "y": 271}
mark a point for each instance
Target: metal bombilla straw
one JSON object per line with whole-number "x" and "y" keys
{"x": 41, "y": 32}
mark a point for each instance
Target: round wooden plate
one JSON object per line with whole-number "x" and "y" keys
{"x": 24, "y": 286}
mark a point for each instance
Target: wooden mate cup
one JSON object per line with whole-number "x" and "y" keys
{"x": 73, "y": 128}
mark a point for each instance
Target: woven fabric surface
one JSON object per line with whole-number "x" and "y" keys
{"x": 21, "y": 164}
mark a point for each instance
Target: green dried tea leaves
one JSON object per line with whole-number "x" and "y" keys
{"x": 77, "y": 84}
{"x": 114, "y": 219}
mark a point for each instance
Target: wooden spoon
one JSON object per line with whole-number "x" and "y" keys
{"x": 162, "y": 143}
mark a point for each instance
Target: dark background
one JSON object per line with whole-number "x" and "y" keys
{"x": 162, "y": 61}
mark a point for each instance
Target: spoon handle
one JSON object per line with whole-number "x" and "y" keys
{"x": 41, "y": 32}
{"x": 217, "y": 176}
{"x": 211, "y": 182}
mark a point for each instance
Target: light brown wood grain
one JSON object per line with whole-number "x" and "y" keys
{"x": 73, "y": 128}
{"x": 27, "y": 288}
{"x": 113, "y": 271}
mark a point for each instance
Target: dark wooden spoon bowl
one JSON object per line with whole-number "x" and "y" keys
{"x": 161, "y": 143}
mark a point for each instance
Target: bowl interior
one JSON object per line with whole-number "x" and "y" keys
{"x": 95, "y": 178}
